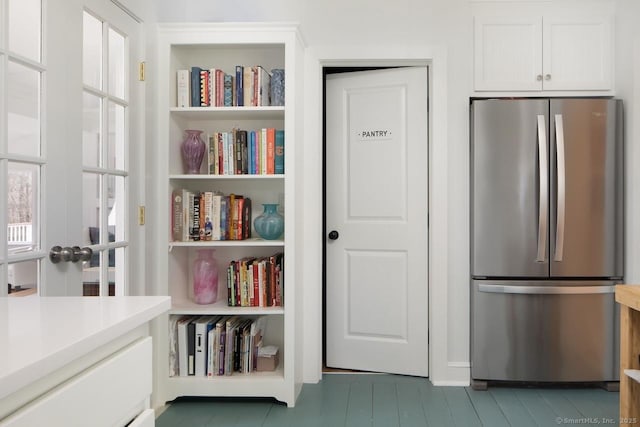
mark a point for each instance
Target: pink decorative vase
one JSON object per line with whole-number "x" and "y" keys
{"x": 193, "y": 148}
{"x": 205, "y": 277}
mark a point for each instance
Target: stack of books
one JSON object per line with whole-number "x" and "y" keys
{"x": 210, "y": 346}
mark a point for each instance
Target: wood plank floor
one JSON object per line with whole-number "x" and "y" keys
{"x": 398, "y": 401}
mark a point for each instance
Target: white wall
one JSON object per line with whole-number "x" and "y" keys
{"x": 413, "y": 23}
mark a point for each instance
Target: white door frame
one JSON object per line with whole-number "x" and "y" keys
{"x": 441, "y": 372}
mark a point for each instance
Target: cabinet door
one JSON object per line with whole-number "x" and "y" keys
{"x": 508, "y": 53}
{"x": 577, "y": 53}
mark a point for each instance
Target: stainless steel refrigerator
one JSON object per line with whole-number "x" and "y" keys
{"x": 546, "y": 239}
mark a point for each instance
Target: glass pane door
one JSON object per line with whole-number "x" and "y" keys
{"x": 66, "y": 117}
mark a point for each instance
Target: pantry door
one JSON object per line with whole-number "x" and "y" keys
{"x": 70, "y": 113}
{"x": 376, "y": 220}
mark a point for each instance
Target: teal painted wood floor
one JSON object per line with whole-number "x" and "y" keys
{"x": 394, "y": 401}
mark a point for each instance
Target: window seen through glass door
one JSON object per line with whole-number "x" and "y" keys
{"x": 21, "y": 146}
{"x": 104, "y": 136}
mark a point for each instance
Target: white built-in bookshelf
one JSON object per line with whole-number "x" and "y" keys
{"x": 223, "y": 46}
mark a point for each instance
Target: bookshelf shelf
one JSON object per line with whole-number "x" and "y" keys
{"x": 229, "y": 113}
{"x": 253, "y": 242}
{"x": 223, "y": 46}
{"x": 225, "y": 177}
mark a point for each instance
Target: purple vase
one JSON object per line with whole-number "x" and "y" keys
{"x": 205, "y": 277}
{"x": 193, "y": 148}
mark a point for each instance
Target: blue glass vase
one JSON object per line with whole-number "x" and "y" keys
{"x": 270, "y": 224}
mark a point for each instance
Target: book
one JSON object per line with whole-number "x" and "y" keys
{"x": 182, "y": 88}
{"x": 208, "y": 216}
{"x": 191, "y": 347}
{"x": 247, "y": 86}
{"x": 212, "y": 345}
{"x": 279, "y": 152}
{"x": 183, "y": 356}
{"x": 174, "y": 365}
{"x": 194, "y": 198}
{"x": 240, "y": 217}
{"x": 216, "y": 205}
{"x": 241, "y": 151}
{"x": 213, "y": 154}
{"x": 224, "y": 218}
{"x": 201, "y": 331}
{"x": 271, "y": 150}
{"x": 205, "y": 95}
{"x": 177, "y": 220}
{"x": 263, "y": 151}
{"x": 228, "y": 90}
{"x": 246, "y": 218}
{"x": 251, "y": 153}
{"x": 195, "y": 86}
{"x": 239, "y": 85}
{"x": 264, "y": 85}
{"x": 186, "y": 211}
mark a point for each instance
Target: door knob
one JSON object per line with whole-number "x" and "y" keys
{"x": 59, "y": 254}
{"x": 82, "y": 254}
{"x": 333, "y": 235}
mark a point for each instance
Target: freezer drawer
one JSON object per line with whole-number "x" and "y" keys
{"x": 547, "y": 332}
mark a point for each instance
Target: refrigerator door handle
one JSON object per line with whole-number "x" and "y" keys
{"x": 560, "y": 213}
{"x": 541, "y": 290}
{"x": 543, "y": 196}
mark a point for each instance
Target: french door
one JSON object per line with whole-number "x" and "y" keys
{"x": 68, "y": 113}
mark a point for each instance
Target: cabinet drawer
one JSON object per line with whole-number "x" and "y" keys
{"x": 113, "y": 390}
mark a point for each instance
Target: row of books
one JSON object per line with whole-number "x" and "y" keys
{"x": 256, "y": 282}
{"x": 241, "y": 152}
{"x": 209, "y": 215}
{"x": 210, "y": 346}
{"x": 213, "y": 87}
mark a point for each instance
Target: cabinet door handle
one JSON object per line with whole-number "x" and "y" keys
{"x": 539, "y": 77}
{"x": 547, "y": 76}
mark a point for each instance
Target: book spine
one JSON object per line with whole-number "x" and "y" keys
{"x": 228, "y": 90}
{"x": 246, "y": 218}
{"x": 279, "y": 152}
{"x": 263, "y": 151}
{"x": 204, "y": 88}
{"x": 231, "y": 301}
{"x": 219, "y": 88}
{"x": 224, "y": 215}
{"x": 240, "y": 214}
{"x": 208, "y": 215}
{"x": 271, "y": 150}
{"x": 195, "y": 86}
{"x": 187, "y": 212}
{"x": 240, "y": 139}
{"x": 256, "y": 87}
{"x": 223, "y": 336}
{"x": 182, "y": 88}
{"x": 264, "y": 79}
{"x": 195, "y": 224}
{"x": 247, "y": 87}
{"x": 191, "y": 347}
{"x": 239, "y": 85}
{"x": 215, "y": 217}
{"x": 176, "y": 216}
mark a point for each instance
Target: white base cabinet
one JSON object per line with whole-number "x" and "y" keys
{"x": 113, "y": 392}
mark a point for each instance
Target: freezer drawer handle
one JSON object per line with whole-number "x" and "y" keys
{"x": 543, "y": 183}
{"x": 560, "y": 214}
{"x": 509, "y": 289}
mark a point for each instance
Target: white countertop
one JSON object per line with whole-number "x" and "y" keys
{"x": 39, "y": 335}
